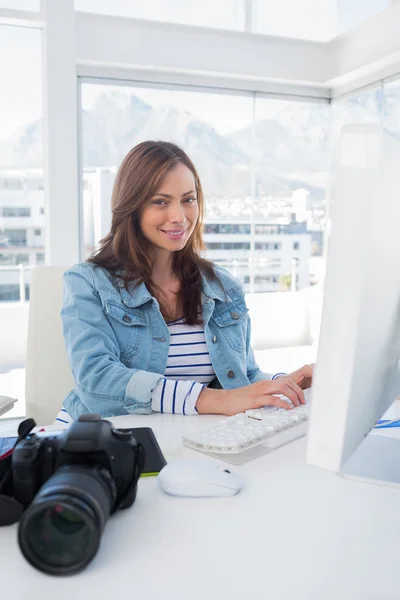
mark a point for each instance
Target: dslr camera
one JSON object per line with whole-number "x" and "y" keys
{"x": 68, "y": 483}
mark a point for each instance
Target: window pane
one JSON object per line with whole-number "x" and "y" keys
{"x": 291, "y": 167}
{"x": 15, "y": 211}
{"x": 265, "y": 197}
{"x": 391, "y": 106}
{"x": 208, "y": 126}
{"x": 354, "y": 12}
{"x": 33, "y": 5}
{"x": 223, "y": 14}
{"x": 21, "y": 197}
{"x": 302, "y": 19}
{"x": 318, "y": 20}
{"x": 363, "y": 107}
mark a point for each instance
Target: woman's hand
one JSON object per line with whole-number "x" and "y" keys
{"x": 302, "y": 377}
{"x": 256, "y": 395}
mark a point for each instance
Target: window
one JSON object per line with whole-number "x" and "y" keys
{"x": 228, "y": 245}
{"x": 41, "y": 210}
{"x": 268, "y": 229}
{"x": 292, "y": 154}
{"x": 284, "y": 152}
{"x": 224, "y": 14}
{"x": 364, "y": 107}
{"x": 296, "y": 245}
{"x": 21, "y": 164}
{"x": 14, "y": 237}
{"x": 268, "y": 245}
{"x": 391, "y": 106}
{"x": 34, "y": 184}
{"x": 40, "y": 258}
{"x": 10, "y": 183}
{"x": 201, "y": 122}
{"x": 226, "y": 228}
{"x": 10, "y": 211}
{"x": 353, "y": 12}
{"x": 304, "y": 19}
{"x": 318, "y": 20}
{"x": 37, "y": 232}
{"x": 22, "y": 259}
{"x": 30, "y": 5}
{"x": 11, "y": 293}
{"x": 14, "y": 259}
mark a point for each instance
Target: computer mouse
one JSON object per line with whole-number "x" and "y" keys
{"x": 198, "y": 479}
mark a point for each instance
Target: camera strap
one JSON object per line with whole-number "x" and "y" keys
{"x": 10, "y": 509}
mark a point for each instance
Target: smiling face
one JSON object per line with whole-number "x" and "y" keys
{"x": 168, "y": 218}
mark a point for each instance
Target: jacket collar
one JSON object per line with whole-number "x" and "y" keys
{"x": 138, "y": 295}
{"x": 135, "y": 296}
{"x": 213, "y": 290}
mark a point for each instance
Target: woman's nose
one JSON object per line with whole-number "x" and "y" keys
{"x": 177, "y": 213}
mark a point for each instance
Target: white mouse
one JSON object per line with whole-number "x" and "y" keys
{"x": 198, "y": 478}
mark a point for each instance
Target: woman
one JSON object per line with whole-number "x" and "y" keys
{"x": 149, "y": 325}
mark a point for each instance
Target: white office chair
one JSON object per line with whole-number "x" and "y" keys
{"x": 48, "y": 375}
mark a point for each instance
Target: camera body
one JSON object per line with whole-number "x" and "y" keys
{"x": 90, "y": 442}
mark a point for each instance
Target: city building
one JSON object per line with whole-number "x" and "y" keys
{"x": 21, "y": 231}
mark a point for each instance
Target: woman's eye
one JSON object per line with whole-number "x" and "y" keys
{"x": 159, "y": 202}
{"x": 190, "y": 200}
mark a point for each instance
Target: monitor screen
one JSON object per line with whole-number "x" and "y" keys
{"x": 356, "y": 376}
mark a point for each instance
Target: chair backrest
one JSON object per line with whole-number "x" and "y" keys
{"x": 279, "y": 320}
{"x": 48, "y": 375}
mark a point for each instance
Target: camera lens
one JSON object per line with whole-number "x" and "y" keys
{"x": 60, "y": 531}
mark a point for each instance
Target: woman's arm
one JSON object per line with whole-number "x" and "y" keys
{"x": 176, "y": 397}
{"x": 94, "y": 354}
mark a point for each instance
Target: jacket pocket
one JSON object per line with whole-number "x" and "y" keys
{"x": 232, "y": 322}
{"x": 127, "y": 326}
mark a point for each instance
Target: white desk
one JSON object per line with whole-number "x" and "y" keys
{"x": 294, "y": 532}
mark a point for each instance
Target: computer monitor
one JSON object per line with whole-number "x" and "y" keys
{"x": 356, "y": 376}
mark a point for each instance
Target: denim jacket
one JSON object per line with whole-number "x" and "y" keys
{"x": 118, "y": 342}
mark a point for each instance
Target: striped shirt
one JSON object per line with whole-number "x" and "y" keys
{"x": 188, "y": 370}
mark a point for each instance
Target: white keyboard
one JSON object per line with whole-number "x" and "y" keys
{"x": 244, "y": 436}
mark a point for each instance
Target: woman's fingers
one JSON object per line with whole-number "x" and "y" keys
{"x": 288, "y": 388}
{"x": 275, "y": 401}
{"x": 297, "y": 390}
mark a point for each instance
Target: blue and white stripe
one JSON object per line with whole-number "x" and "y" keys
{"x": 188, "y": 356}
{"x": 187, "y": 371}
{"x": 64, "y": 417}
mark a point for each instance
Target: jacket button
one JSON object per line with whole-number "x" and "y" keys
{"x": 231, "y": 374}
{"x": 235, "y": 315}
{"x": 162, "y": 339}
{"x": 214, "y": 339}
{"x": 127, "y": 319}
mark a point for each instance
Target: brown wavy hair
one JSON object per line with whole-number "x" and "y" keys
{"x": 124, "y": 251}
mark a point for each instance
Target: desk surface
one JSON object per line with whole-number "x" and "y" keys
{"x": 294, "y": 532}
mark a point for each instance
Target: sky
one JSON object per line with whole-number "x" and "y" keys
{"x": 225, "y": 112}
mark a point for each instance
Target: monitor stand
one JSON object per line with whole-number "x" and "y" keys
{"x": 376, "y": 460}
